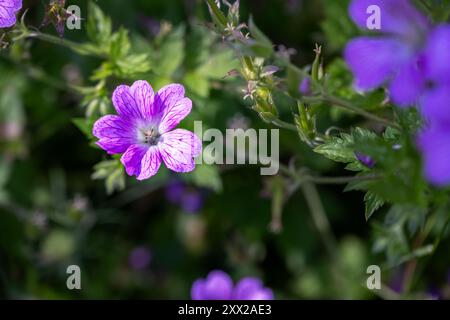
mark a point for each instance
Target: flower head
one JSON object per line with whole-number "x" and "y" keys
{"x": 144, "y": 130}
{"x": 8, "y": 10}
{"x": 395, "y": 56}
{"x": 189, "y": 199}
{"x": 139, "y": 258}
{"x": 219, "y": 286}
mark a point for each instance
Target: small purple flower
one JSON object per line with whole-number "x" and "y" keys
{"x": 190, "y": 200}
{"x": 250, "y": 288}
{"x": 305, "y": 86}
{"x": 139, "y": 258}
{"x": 396, "y": 56}
{"x": 365, "y": 160}
{"x": 219, "y": 286}
{"x": 144, "y": 130}
{"x": 8, "y": 10}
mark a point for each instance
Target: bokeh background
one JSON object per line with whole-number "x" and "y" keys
{"x": 153, "y": 239}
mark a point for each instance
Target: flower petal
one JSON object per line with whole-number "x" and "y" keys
{"x": 115, "y": 134}
{"x": 8, "y": 9}
{"x": 408, "y": 84}
{"x": 132, "y": 159}
{"x": 173, "y": 115}
{"x": 125, "y": 104}
{"x": 217, "y": 286}
{"x": 144, "y": 96}
{"x": 178, "y": 148}
{"x": 167, "y": 97}
{"x": 150, "y": 163}
{"x": 396, "y": 16}
{"x": 434, "y": 143}
{"x": 435, "y": 104}
{"x": 251, "y": 288}
{"x": 437, "y": 53}
{"x": 372, "y": 60}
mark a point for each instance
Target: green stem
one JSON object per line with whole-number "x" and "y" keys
{"x": 319, "y": 217}
{"x": 284, "y": 125}
{"x": 327, "y": 180}
{"x": 76, "y": 47}
{"x": 351, "y": 107}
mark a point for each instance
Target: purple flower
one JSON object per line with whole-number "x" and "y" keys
{"x": 365, "y": 160}
{"x": 190, "y": 200}
{"x": 305, "y": 86}
{"x": 396, "y": 56}
{"x": 8, "y": 10}
{"x": 250, "y": 288}
{"x": 144, "y": 131}
{"x": 434, "y": 142}
{"x": 219, "y": 286}
{"x": 139, "y": 258}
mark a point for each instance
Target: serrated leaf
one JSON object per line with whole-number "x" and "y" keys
{"x": 98, "y": 26}
{"x": 373, "y": 203}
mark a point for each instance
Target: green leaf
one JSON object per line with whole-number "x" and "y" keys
{"x": 218, "y": 65}
{"x": 98, "y": 27}
{"x": 171, "y": 53}
{"x": 207, "y": 176}
{"x": 113, "y": 173}
{"x": 217, "y": 15}
{"x": 120, "y": 44}
{"x": 85, "y": 126}
{"x": 197, "y": 84}
{"x": 373, "y": 203}
{"x": 339, "y": 149}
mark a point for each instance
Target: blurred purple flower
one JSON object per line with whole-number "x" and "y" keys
{"x": 250, "y": 288}
{"x": 8, "y": 10}
{"x": 190, "y": 200}
{"x": 371, "y": 59}
{"x": 305, "y": 86}
{"x": 139, "y": 258}
{"x": 152, "y": 25}
{"x": 365, "y": 160}
{"x": 144, "y": 130}
{"x": 219, "y": 286}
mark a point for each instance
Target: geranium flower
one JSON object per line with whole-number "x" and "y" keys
{"x": 434, "y": 140}
{"x": 219, "y": 286}
{"x": 395, "y": 56}
{"x": 144, "y": 130}
{"x": 8, "y": 10}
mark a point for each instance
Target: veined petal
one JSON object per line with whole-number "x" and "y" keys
{"x": 408, "y": 85}
{"x": 114, "y": 145}
{"x": 132, "y": 159}
{"x": 173, "y": 114}
{"x": 374, "y": 60}
{"x": 178, "y": 148}
{"x": 115, "y": 134}
{"x": 151, "y": 161}
{"x": 143, "y": 95}
{"x": 396, "y": 16}
{"x": 167, "y": 97}
{"x": 112, "y": 126}
{"x": 8, "y": 10}
{"x": 125, "y": 104}
{"x": 434, "y": 142}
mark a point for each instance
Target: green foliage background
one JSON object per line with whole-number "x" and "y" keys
{"x": 63, "y": 201}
